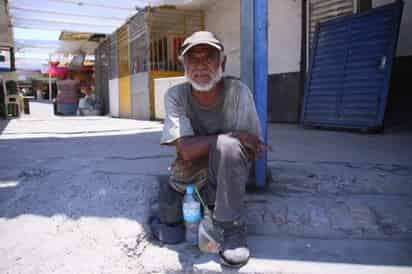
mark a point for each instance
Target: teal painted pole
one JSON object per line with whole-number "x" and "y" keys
{"x": 261, "y": 78}
{"x": 247, "y": 39}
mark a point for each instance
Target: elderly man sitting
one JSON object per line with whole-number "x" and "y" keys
{"x": 212, "y": 122}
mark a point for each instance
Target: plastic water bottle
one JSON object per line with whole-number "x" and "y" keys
{"x": 191, "y": 216}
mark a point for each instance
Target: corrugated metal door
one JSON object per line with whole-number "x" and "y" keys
{"x": 323, "y": 10}
{"x": 319, "y": 11}
{"x": 350, "y": 69}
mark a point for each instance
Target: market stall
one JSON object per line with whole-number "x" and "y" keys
{"x": 144, "y": 49}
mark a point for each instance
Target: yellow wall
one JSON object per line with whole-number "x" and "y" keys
{"x": 125, "y": 100}
{"x": 123, "y": 43}
{"x": 154, "y": 75}
{"x": 125, "y": 103}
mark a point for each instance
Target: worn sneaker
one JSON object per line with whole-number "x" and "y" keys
{"x": 234, "y": 251}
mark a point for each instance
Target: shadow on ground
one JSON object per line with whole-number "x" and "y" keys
{"x": 117, "y": 177}
{"x": 3, "y": 124}
{"x": 103, "y": 176}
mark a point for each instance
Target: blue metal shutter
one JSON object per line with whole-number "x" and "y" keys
{"x": 320, "y": 11}
{"x": 350, "y": 69}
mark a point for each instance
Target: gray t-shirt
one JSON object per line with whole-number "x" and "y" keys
{"x": 234, "y": 110}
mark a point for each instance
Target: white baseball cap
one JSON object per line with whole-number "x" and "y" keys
{"x": 198, "y": 38}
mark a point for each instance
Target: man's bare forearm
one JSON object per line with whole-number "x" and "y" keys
{"x": 194, "y": 147}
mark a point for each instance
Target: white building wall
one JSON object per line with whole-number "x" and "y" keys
{"x": 6, "y": 35}
{"x": 223, "y": 19}
{"x": 405, "y": 33}
{"x": 140, "y": 93}
{"x": 284, "y": 33}
{"x": 161, "y": 86}
{"x": 114, "y": 97}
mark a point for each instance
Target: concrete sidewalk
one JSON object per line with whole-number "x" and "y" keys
{"x": 75, "y": 194}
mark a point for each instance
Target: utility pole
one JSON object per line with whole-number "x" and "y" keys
{"x": 254, "y": 65}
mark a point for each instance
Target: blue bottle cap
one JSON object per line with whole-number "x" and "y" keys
{"x": 189, "y": 189}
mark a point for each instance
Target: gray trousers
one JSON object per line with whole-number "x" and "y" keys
{"x": 228, "y": 172}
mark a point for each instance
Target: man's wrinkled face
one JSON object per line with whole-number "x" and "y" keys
{"x": 203, "y": 67}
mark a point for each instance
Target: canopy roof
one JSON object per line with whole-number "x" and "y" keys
{"x": 38, "y": 25}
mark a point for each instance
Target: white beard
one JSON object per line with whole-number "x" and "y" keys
{"x": 208, "y": 86}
